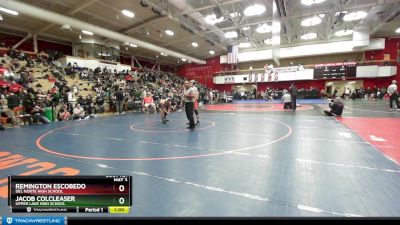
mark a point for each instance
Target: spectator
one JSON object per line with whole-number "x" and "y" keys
{"x": 119, "y": 97}
{"x": 393, "y": 95}
{"x": 12, "y": 101}
{"x": 287, "y": 100}
{"x": 148, "y": 103}
{"x": 336, "y": 107}
{"x": 38, "y": 113}
{"x": 79, "y": 113}
{"x": 63, "y": 114}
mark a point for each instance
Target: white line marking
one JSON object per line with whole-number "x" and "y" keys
{"x": 322, "y": 139}
{"x": 367, "y": 110}
{"x": 384, "y": 146}
{"x": 345, "y": 134}
{"x": 213, "y": 150}
{"x": 102, "y": 166}
{"x": 375, "y": 138}
{"x": 308, "y": 208}
{"x": 250, "y": 134}
{"x": 305, "y": 127}
{"x": 347, "y": 165}
{"x": 117, "y": 139}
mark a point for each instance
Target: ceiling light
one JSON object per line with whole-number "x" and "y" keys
{"x": 211, "y": 52}
{"x": 265, "y": 28}
{"x": 245, "y": 28}
{"x": 254, "y": 10}
{"x": 311, "y": 2}
{"x": 163, "y": 54}
{"x": 244, "y": 45}
{"x": 398, "y": 30}
{"x": 169, "y": 32}
{"x": 343, "y": 33}
{"x": 308, "y": 36}
{"x": 87, "y": 32}
{"x": 80, "y": 36}
{"x": 9, "y": 11}
{"x": 1, "y": 17}
{"x": 184, "y": 60}
{"x": 212, "y": 19}
{"x": 133, "y": 45}
{"x": 235, "y": 14}
{"x": 268, "y": 41}
{"x": 355, "y": 16}
{"x": 312, "y": 21}
{"x": 128, "y": 13}
{"x": 194, "y": 44}
{"x": 231, "y": 34}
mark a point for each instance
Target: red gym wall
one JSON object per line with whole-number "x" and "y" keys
{"x": 204, "y": 73}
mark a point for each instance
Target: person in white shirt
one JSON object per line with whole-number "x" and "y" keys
{"x": 189, "y": 96}
{"x": 394, "y": 95}
{"x": 79, "y": 112}
{"x": 196, "y": 101}
{"x": 286, "y": 100}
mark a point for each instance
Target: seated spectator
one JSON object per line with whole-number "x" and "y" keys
{"x": 148, "y": 103}
{"x": 38, "y": 113}
{"x": 12, "y": 101}
{"x": 100, "y": 103}
{"x": 91, "y": 110}
{"x": 286, "y": 100}
{"x": 63, "y": 114}
{"x": 79, "y": 113}
{"x": 336, "y": 107}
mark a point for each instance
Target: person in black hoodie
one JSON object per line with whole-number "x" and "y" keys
{"x": 12, "y": 101}
{"x": 293, "y": 94}
{"x": 336, "y": 107}
{"x": 119, "y": 97}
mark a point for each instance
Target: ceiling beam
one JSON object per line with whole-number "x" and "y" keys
{"x": 46, "y": 37}
{"x": 70, "y": 12}
{"x": 206, "y": 7}
{"x": 91, "y": 15}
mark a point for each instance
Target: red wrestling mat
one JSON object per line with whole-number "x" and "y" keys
{"x": 254, "y": 107}
{"x": 383, "y": 133}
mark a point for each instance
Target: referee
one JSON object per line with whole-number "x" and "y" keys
{"x": 189, "y": 95}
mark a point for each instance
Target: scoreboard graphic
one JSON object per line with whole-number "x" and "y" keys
{"x": 78, "y": 194}
{"x": 335, "y": 70}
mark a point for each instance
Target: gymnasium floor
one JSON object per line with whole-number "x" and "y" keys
{"x": 246, "y": 159}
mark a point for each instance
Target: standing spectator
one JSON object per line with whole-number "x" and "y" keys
{"x": 119, "y": 97}
{"x": 393, "y": 95}
{"x": 293, "y": 94}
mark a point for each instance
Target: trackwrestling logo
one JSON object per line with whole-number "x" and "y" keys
{"x": 33, "y": 220}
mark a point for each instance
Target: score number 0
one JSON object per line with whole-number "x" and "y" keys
{"x": 121, "y": 200}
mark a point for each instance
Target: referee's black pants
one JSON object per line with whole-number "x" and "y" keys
{"x": 189, "y": 108}
{"x": 394, "y": 97}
